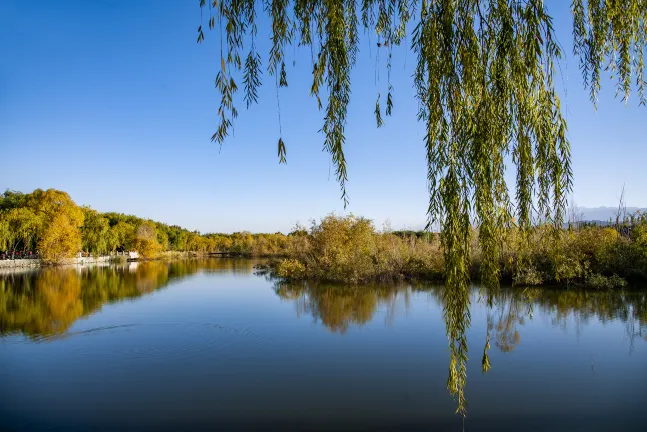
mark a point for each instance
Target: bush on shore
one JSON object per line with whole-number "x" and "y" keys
{"x": 350, "y": 249}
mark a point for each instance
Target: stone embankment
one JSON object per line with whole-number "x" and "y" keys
{"x": 9, "y": 263}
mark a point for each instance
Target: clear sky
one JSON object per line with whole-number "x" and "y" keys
{"x": 114, "y": 102}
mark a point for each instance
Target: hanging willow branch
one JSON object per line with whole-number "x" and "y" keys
{"x": 484, "y": 81}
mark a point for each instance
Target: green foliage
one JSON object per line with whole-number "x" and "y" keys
{"x": 527, "y": 275}
{"x": 95, "y": 233}
{"x": 349, "y": 248}
{"x": 611, "y": 36}
{"x": 423, "y": 235}
{"x": 12, "y": 199}
{"x": 25, "y": 218}
{"x": 123, "y": 233}
{"x": 599, "y": 281}
{"x": 21, "y": 227}
{"x": 5, "y": 234}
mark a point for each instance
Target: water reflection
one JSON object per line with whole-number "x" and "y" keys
{"x": 48, "y": 301}
{"x": 45, "y": 303}
{"x": 338, "y": 307}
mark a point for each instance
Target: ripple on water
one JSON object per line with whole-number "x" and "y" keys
{"x": 151, "y": 340}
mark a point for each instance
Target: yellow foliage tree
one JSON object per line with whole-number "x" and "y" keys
{"x": 145, "y": 240}
{"x": 62, "y": 239}
{"x": 47, "y": 205}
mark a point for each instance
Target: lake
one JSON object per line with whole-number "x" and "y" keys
{"x": 214, "y": 345}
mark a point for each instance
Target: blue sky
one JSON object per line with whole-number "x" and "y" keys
{"x": 114, "y": 102}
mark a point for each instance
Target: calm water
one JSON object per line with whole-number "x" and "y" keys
{"x": 210, "y": 345}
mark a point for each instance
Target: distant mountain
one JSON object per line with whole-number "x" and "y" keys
{"x": 602, "y": 214}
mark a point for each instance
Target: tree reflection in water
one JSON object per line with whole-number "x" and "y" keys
{"x": 339, "y": 307}
{"x": 48, "y": 301}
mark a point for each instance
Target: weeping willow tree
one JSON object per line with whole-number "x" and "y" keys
{"x": 485, "y": 84}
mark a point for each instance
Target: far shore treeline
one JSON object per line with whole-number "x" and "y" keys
{"x": 335, "y": 249}
{"x": 51, "y": 223}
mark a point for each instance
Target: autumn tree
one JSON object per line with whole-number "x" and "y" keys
{"x": 28, "y": 218}
{"x": 62, "y": 239}
{"x": 51, "y": 203}
{"x": 5, "y": 233}
{"x": 25, "y": 219}
{"x": 145, "y": 240}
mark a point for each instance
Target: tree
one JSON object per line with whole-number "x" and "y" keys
{"x": 11, "y": 199}
{"x": 122, "y": 235}
{"x": 145, "y": 240}
{"x": 62, "y": 239}
{"x": 50, "y": 203}
{"x": 48, "y": 206}
{"x": 485, "y": 87}
{"x": 21, "y": 228}
{"x": 95, "y": 233}
{"x": 162, "y": 239}
{"x": 5, "y": 233}
{"x": 28, "y": 218}
{"x": 182, "y": 240}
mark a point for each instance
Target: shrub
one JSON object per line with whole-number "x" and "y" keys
{"x": 599, "y": 281}
{"x": 349, "y": 249}
{"x": 343, "y": 249}
{"x": 290, "y": 269}
{"x": 528, "y": 275}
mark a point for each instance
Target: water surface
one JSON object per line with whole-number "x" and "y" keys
{"x": 210, "y": 345}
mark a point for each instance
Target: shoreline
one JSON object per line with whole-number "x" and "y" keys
{"x": 36, "y": 263}
{"x": 269, "y": 268}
